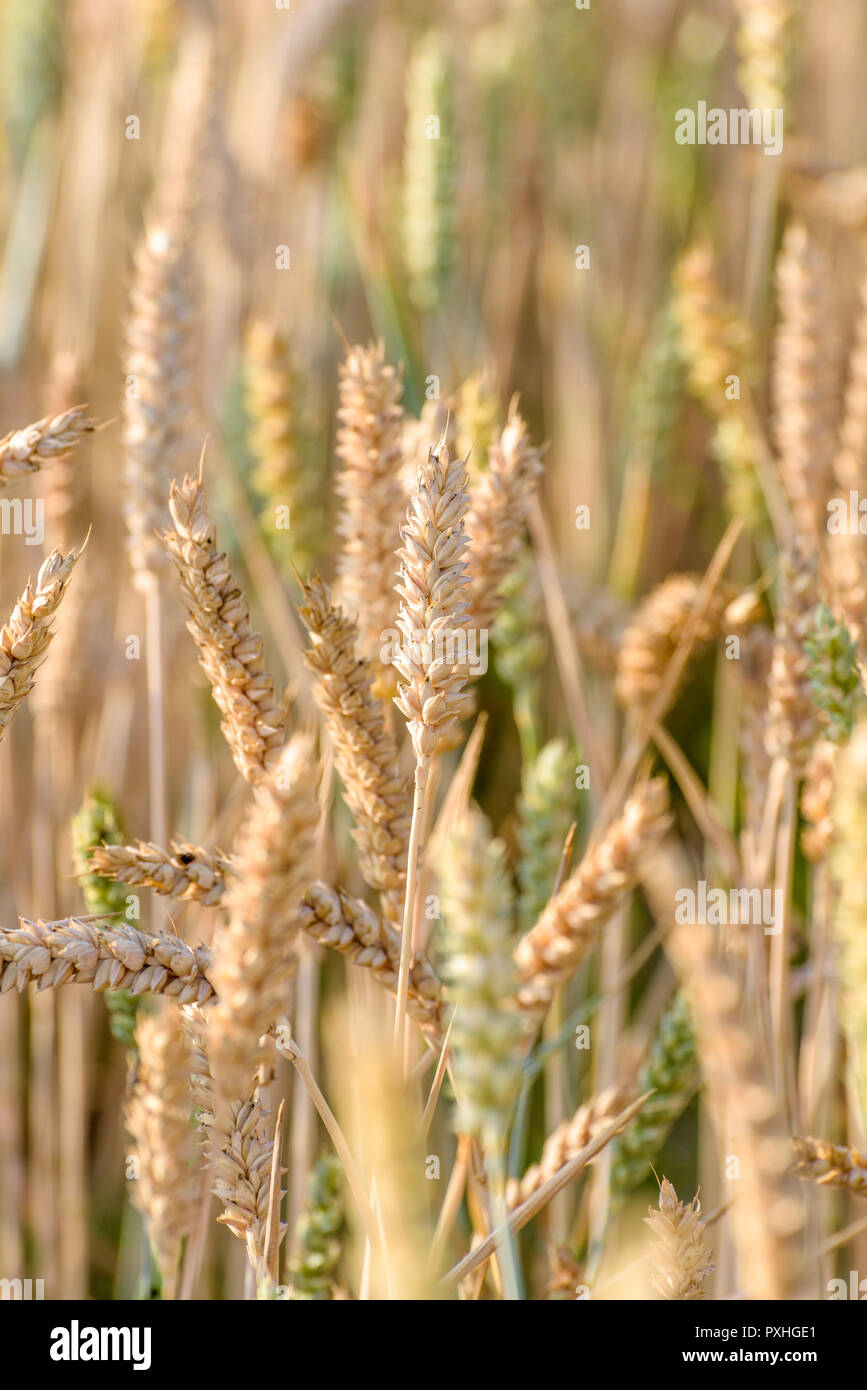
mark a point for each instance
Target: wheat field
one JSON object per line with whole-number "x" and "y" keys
{"x": 433, "y": 696}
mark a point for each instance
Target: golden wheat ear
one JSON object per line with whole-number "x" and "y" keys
{"x": 231, "y": 652}
{"x": 681, "y": 1260}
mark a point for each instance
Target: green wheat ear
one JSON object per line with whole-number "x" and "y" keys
{"x": 319, "y": 1233}
{"x": 429, "y": 172}
{"x": 834, "y": 675}
{"x": 671, "y": 1071}
{"x": 546, "y": 808}
{"x": 98, "y": 823}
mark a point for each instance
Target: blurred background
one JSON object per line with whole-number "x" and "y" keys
{"x": 315, "y": 196}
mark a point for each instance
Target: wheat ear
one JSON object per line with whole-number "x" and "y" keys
{"x": 25, "y": 451}
{"x": 231, "y": 653}
{"x": 567, "y": 1140}
{"x": 831, "y": 1165}
{"x": 681, "y": 1260}
{"x": 318, "y": 1234}
{"x": 792, "y": 719}
{"x": 254, "y": 956}
{"x": 499, "y": 505}
{"x": 25, "y": 636}
{"x": 654, "y": 632}
{"x": 569, "y": 926}
{"x": 283, "y": 476}
{"x": 364, "y": 749}
{"x": 104, "y": 957}
{"x": 372, "y": 495}
{"x": 349, "y": 926}
{"x": 432, "y": 621}
{"x": 236, "y": 1147}
{"x": 849, "y": 872}
{"x": 768, "y": 1217}
{"x": 183, "y": 871}
{"x": 158, "y": 1116}
{"x": 478, "y": 930}
{"x": 805, "y": 385}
